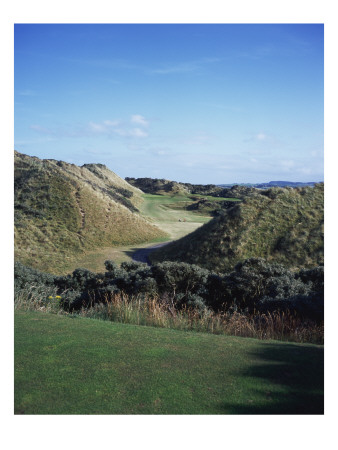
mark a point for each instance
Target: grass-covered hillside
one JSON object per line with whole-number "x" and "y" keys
{"x": 281, "y": 225}
{"x": 62, "y": 210}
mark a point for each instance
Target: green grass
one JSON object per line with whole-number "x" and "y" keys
{"x": 167, "y": 213}
{"x": 69, "y": 365}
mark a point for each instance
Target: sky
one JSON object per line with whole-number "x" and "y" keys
{"x": 198, "y": 103}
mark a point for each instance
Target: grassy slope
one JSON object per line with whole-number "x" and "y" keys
{"x": 63, "y": 211}
{"x": 84, "y": 366}
{"x": 163, "y": 211}
{"x": 286, "y": 228}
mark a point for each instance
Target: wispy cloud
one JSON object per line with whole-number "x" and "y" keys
{"x": 27, "y": 93}
{"x": 260, "y": 137}
{"x": 140, "y": 120}
{"x": 43, "y": 130}
{"x": 198, "y": 139}
{"x": 108, "y": 128}
{"x": 183, "y": 67}
{"x": 111, "y": 123}
{"x": 258, "y": 52}
{"x": 166, "y": 68}
{"x": 137, "y": 132}
{"x": 221, "y": 106}
{"x": 288, "y": 163}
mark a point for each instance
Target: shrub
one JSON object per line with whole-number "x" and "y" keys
{"x": 130, "y": 266}
{"x": 24, "y": 276}
{"x": 180, "y": 278}
{"x": 254, "y": 285}
{"x": 258, "y": 285}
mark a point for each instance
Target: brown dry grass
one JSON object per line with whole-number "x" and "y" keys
{"x": 157, "y": 312}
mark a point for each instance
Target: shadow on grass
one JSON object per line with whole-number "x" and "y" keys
{"x": 289, "y": 380}
{"x": 141, "y": 254}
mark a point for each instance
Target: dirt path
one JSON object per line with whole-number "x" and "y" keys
{"x": 141, "y": 255}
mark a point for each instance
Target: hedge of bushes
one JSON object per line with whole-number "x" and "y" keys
{"x": 253, "y": 285}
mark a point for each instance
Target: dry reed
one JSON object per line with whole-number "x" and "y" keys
{"x": 158, "y": 312}
{"x": 284, "y": 326}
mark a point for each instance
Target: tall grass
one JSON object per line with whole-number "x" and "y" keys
{"x": 159, "y": 312}
{"x": 38, "y": 298}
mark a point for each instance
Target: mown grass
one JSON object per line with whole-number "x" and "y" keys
{"x": 167, "y": 213}
{"x": 67, "y": 365}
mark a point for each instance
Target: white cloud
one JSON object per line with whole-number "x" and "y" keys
{"x": 109, "y": 128}
{"x": 96, "y": 127}
{"x": 111, "y": 123}
{"x": 140, "y": 120}
{"x": 41, "y": 129}
{"x": 259, "y": 137}
{"x": 137, "y": 132}
{"x": 115, "y": 127}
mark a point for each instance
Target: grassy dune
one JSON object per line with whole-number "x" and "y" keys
{"x": 69, "y": 365}
{"x": 68, "y": 216}
{"x": 282, "y": 225}
{"x": 62, "y": 211}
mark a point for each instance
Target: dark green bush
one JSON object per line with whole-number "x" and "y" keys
{"x": 24, "y": 276}
{"x": 179, "y": 277}
{"x": 255, "y": 279}
{"x": 254, "y": 285}
{"x": 313, "y": 277}
{"x": 130, "y": 266}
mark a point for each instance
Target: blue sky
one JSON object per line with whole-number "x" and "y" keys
{"x": 192, "y": 103}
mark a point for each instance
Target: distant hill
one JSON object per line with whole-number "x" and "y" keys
{"x": 280, "y": 224}
{"x": 165, "y": 187}
{"x": 240, "y": 190}
{"x": 158, "y": 186}
{"x": 270, "y": 184}
{"x": 62, "y": 210}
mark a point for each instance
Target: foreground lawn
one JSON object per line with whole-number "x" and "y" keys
{"x": 67, "y": 365}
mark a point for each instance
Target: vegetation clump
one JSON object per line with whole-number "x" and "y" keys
{"x": 255, "y": 291}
